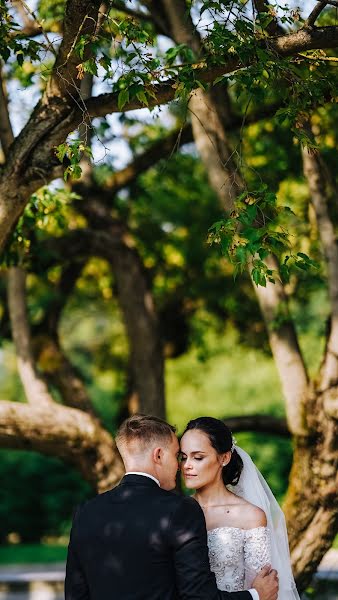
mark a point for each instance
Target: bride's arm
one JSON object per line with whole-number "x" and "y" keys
{"x": 257, "y": 552}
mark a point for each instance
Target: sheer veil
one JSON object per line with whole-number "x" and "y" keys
{"x": 253, "y": 488}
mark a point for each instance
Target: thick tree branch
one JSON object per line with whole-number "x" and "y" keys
{"x": 259, "y": 424}
{"x": 286, "y": 45}
{"x": 81, "y": 18}
{"x": 314, "y": 14}
{"x": 35, "y": 388}
{"x": 60, "y": 121}
{"x": 67, "y": 433}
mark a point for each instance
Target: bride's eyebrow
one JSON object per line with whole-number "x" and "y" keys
{"x": 194, "y": 452}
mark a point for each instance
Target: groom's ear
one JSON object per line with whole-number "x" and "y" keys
{"x": 157, "y": 455}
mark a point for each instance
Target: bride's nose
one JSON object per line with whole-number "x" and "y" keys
{"x": 187, "y": 464}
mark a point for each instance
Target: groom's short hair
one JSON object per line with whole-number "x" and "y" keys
{"x": 145, "y": 430}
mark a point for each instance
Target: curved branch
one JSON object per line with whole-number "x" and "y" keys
{"x": 259, "y": 424}
{"x": 70, "y": 434}
{"x": 285, "y": 45}
{"x": 314, "y": 14}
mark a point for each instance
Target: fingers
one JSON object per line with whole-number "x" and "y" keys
{"x": 265, "y": 570}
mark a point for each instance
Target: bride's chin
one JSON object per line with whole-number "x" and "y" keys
{"x": 189, "y": 484}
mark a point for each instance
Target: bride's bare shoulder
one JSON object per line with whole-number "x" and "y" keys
{"x": 251, "y": 516}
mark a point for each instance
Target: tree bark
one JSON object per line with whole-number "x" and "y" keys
{"x": 70, "y": 434}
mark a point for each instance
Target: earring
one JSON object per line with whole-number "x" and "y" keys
{"x": 224, "y": 464}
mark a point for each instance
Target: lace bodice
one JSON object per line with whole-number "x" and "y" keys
{"x": 237, "y": 555}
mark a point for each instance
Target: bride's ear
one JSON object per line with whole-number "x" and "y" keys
{"x": 226, "y": 458}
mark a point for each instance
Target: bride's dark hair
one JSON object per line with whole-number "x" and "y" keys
{"x": 220, "y": 438}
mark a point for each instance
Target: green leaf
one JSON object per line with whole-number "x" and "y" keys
{"x": 90, "y": 66}
{"x": 141, "y": 96}
{"x": 123, "y": 99}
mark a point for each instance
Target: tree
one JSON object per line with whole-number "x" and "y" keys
{"x": 118, "y": 43}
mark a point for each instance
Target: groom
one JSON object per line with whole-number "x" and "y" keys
{"x": 139, "y": 541}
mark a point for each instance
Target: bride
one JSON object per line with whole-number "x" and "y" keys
{"x": 246, "y": 527}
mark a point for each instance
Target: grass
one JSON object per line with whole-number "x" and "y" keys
{"x": 32, "y": 553}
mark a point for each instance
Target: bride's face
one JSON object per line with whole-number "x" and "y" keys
{"x": 201, "y": 465}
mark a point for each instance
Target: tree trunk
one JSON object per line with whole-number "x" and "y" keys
{"x": 110, "y": 240}
{"x": 135, "y": 298}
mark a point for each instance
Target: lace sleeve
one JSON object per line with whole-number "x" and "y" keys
{"x": 257, "y": 552}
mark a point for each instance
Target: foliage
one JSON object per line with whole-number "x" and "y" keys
{"x": 75, "y": 151}
{"x": 45, "y": 214}
{"x": 42, "y": 488}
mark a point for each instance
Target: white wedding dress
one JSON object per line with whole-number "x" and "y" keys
{"x": 237, "y": 555}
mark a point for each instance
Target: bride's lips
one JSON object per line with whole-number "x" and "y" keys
{"x": 188, "y": 476}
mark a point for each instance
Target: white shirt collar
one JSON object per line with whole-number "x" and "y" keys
{"x": 144, "y": 475}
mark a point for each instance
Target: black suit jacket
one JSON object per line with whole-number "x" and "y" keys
{"x": 139, "y": 542}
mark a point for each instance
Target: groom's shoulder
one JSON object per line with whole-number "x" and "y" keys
{"x": 98, "y": 501}
{"x": 181, "y": 505}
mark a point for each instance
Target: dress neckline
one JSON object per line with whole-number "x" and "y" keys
{"x": 237, "y": 528}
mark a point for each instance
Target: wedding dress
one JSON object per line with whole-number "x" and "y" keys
{"x": 237, "y": 555}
